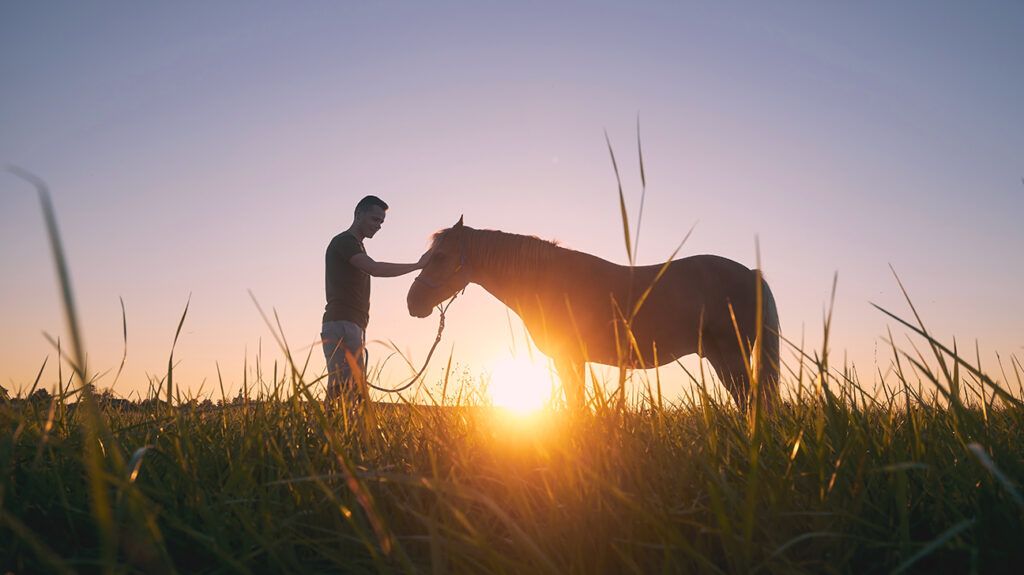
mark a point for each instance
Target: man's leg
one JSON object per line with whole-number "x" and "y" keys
{"x": 331, "y": 335}
{"x": 343, "y": 340}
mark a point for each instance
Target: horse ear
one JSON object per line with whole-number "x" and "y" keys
{"x": 458, "y": 224}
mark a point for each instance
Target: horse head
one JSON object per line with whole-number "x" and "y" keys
{"x": 445, "y": 274}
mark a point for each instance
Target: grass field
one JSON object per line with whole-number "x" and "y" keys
{"x": 925, "y": 477}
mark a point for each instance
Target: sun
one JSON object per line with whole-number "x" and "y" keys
{"x": 520, "y": 385}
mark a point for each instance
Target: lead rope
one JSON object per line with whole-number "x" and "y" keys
{"x": 437, "y": 340}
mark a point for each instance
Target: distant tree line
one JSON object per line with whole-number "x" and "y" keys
{"x": 108, "y": 400}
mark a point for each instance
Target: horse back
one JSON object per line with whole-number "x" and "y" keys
{"x": 694, "y": 298}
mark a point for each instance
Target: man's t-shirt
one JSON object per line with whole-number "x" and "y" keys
{"x": 348, "y": 287}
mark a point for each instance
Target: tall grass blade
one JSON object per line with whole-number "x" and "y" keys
{"x": 170, "y": 358}
{"x": 93, "y": 425}
{"x": 124, "y": 354}
{"x": 935, "y": 545}
{"x": 643, "y": 192}
{"x": 979, "y": 452}
{"x": 661, "y": 271}
{"x": 622, "y": 202}
{"x": 60, "y": 261}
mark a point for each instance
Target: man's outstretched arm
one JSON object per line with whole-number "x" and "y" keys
{"x": 387, "y": 269}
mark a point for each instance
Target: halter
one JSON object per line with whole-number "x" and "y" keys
{"x": 440, "y": 324}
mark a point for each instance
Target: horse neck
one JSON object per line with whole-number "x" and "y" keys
{"x": 504, "y": 265}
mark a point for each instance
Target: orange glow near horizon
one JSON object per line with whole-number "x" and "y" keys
{"x": 520, "y": 385}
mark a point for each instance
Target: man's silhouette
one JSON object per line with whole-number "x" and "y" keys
{"x": 347, "y": 313}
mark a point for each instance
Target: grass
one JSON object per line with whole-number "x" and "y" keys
{"x": 841, "y": 482}
{"x": 922, "y": 476}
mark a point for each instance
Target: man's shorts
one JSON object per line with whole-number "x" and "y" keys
{"x": 340, "y": 339}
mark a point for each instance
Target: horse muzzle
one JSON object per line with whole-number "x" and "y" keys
{"x": 420, "y": 313}
{"x": 417, "y": 308}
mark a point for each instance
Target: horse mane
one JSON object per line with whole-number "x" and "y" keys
{"x": 511, "y": 253}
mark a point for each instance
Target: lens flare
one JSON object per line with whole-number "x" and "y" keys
{"x": 519, "y": 385}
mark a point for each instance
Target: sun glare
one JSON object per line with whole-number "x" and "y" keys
{"x": 520, "y": 385}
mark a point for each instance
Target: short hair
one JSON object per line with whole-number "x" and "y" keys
{"x": 365, "y": 203}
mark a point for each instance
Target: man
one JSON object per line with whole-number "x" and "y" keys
{"x": 348, "y": 298}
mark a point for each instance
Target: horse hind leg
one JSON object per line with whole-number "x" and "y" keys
{"x": 573, "y": 383}
{"x": 731, "y": 367}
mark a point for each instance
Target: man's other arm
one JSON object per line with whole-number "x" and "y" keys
{"x": 386, "y": 269}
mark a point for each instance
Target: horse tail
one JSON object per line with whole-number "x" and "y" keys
{"x": 768, "y": 367}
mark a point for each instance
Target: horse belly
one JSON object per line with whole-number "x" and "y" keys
{"x": 667, "y": 340}
{"x": 661, "y": 333}
{"x": 668, "y": 324}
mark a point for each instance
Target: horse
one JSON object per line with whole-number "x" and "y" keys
{"x": 580, "y": 308}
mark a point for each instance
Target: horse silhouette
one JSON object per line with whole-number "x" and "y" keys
{"x": 580, "y": 308}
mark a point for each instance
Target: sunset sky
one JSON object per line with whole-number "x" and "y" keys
{"x": 204, "y": 149}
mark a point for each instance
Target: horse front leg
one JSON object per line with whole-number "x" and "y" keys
{"x": 573, "y": 383}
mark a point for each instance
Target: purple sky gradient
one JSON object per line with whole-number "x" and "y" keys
{"x": 209, "y": 150}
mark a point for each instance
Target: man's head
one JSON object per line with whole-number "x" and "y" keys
{"x": 369, "y": 216}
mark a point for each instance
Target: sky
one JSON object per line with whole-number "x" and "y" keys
{"x": 199, "y": 151}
